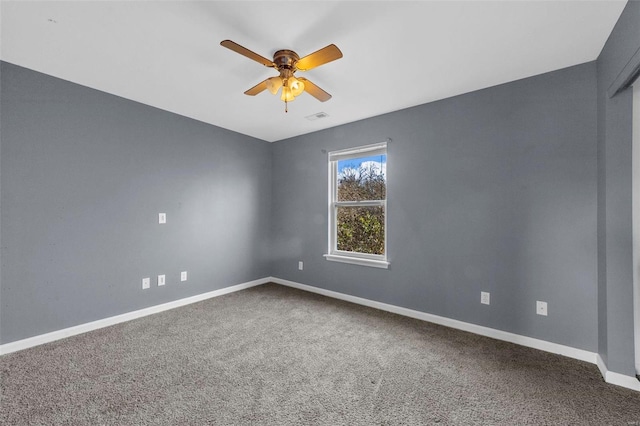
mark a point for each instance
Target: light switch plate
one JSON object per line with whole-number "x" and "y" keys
{"x": 300, "y": 265}
{"x": 485, "y": 298}
{"x": 161, "y": 280}
{"x": 162, "y": 218}
{"x": 183, "y": 276}
{"x": 146, "y": 283}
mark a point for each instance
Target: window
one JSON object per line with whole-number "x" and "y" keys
{"x": 358, "y": 206}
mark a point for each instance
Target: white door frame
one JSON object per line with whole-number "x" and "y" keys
{"x": 635, "y": 165}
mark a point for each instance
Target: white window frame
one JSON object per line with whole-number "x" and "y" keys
{"x": 333, "y": 254}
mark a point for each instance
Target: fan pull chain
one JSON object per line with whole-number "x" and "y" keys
{"x": 286, "y": 106}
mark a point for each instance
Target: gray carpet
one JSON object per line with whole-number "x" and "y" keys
{"x": 275, "y": 355}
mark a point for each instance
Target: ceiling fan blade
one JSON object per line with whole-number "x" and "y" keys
{"x": 248, "y": 53}
{"x": 257, "y": 88}
{"x": 315, "y": 91}
{"x": 320, "y": 57}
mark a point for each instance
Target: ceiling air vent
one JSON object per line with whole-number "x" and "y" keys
{"x": 316, "y": 116}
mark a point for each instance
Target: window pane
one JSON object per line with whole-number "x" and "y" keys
{"x": 360, "y": 229}
{"x": 363, "y": 178}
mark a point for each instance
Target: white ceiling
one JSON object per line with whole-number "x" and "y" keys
{"x": 396, "y": 54}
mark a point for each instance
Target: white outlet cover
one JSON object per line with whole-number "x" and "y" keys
{"x": 162, "y": 218}
{"x": 161, "y": 280}
{"x": 146, "y": 283}
{"x": 485, "y": 298}
{"x": 541, "y": 308}
{"x": 300, "y": 265}
{"x": 183, "y": 276}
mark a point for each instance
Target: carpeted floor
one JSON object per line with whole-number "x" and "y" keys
{"x": 275, "y": 355}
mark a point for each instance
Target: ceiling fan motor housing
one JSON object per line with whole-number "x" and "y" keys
{"x": 285, "y": 59}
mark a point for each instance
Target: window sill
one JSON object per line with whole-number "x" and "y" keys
{"x": 357, "y": 261}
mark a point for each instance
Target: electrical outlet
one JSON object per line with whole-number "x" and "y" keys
{"x": 485, "y": 298}
{"x": 161, "y": 279}
{"x": 541, "y": 308}
{"x": 162, "y": 218}
{"x": 183, "y": 276}
{"x": 300, "y": 265}
{"x": 146, "y": 283}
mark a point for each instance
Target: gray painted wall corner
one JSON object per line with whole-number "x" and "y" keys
{"x": 84, "y": 176}
{"x": 615, "y": 277}
{"x": 489, "y": 191}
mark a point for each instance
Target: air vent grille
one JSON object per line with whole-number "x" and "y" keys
{"x": 317, "y": 116}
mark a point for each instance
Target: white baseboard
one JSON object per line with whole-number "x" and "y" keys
{"x": 580, "y": 354}
{"x": 543, "y": 345}
{"x": 625, "y": 381}
{"x": 106, "y": 322}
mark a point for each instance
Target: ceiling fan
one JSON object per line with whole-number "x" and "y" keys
{"x": 287, "y": 62}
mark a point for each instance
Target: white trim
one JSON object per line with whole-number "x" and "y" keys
{"x": 618, "y": 379}
{"x": 106, "y": 322}
{"x": 601, "y": 366}
{"x": 635, "y": 214}
{"x": 580, "y": 354}
{"x": 362, "y": 261}
{"x": 530, "y": 342}
{"x": 348, "y": 153}
{"x": 367, "y": 203}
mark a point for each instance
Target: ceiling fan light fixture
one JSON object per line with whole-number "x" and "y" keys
{"x": 296, "y": 86}
{"x": 274, "y": 84}
{"x": 287, "y": 95}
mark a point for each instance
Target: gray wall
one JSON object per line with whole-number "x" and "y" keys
{"x": 513, "y": 190}
{"x": 615, "y": 276}
{"x": 489, "y": 191}
{"x": 84, "y": 175}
